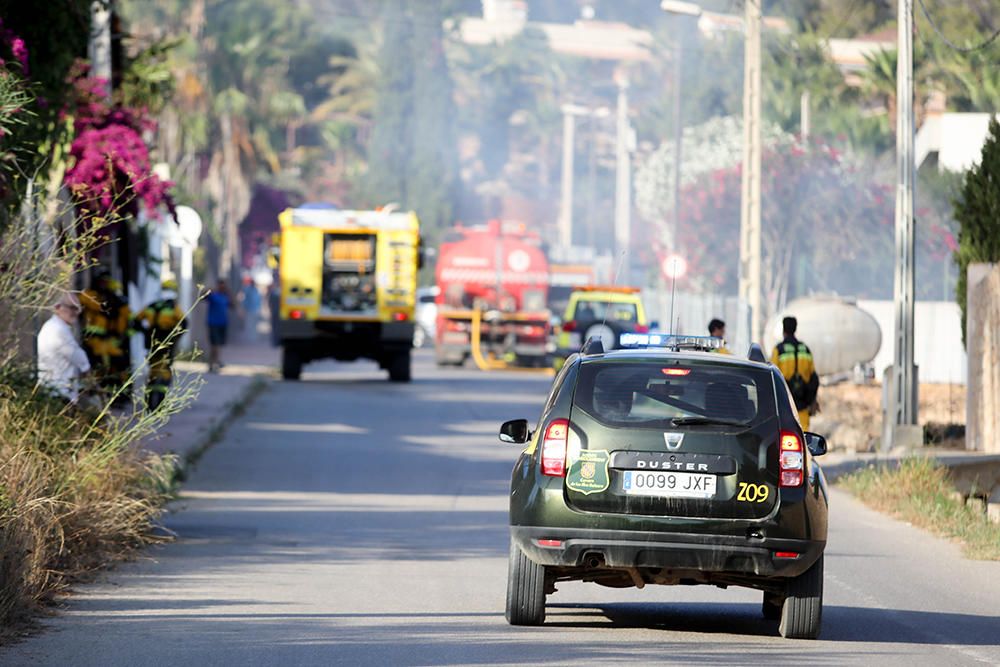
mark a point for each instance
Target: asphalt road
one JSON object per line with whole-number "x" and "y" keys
{"x": 345, "y": 520}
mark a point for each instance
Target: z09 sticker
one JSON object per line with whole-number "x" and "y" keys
{"x": 753, "y": 493}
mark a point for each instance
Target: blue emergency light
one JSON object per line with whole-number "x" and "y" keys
{"x": 675, "y": 342}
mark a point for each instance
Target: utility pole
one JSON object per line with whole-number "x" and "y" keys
{"x": 679, "y": 10}
{"x": 623, "y": 170}
{"x": 570, "y": 112}
{"x": 750, "y": 245}
{"x": 566, "y": 197}
{"x": 678, "y": 138}
{"x": 905, "y": 431}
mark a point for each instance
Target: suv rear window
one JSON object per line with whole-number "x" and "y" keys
{"x": 651, "y": 395}
{"x": 587, "y": 311}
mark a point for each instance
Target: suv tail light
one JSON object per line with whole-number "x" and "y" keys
{"x": 641, "y": 328}
{"x": 554, "y": 448}
{"x": 791, "y": 460}
{"x": 569, "y": 326}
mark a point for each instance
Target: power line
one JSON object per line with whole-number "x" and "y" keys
{"x": 964, "y": 49}
{"x": 853, "y": 7}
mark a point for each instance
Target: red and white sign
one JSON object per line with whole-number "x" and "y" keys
{"x": 519, "y": 261}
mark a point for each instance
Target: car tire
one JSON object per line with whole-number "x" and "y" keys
{"x": 399, "y": 367}
{"x": 525, "y": 589}
{"x": 802, "y": 611}
{"x": 291, "y": 363}
{"x": 771, "y": 606}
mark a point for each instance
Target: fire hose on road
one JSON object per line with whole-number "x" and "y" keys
{"x": 487, "y": 364}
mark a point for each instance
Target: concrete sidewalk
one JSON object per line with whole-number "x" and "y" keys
{"x": 223, "y": 395}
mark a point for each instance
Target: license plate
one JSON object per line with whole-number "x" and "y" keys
{"x": 668, "y": 484}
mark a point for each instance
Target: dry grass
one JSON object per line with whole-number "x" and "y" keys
{"x": 919, "y": 491}
{"x": 77, "y": 493}
{"x": 73, "y": 498}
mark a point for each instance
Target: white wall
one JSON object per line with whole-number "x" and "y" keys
{"x": 938, "y": 350}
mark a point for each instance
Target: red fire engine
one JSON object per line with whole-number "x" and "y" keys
{"x": 499, "y": 272}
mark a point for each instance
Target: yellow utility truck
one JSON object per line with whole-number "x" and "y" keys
{"x": 348, "y": 282}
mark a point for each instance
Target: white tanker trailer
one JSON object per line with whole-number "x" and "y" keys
{"x": 841, "y": 335}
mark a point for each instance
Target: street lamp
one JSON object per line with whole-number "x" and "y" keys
{"x": 678, "y": 8}
{"x": 570, "y": 112}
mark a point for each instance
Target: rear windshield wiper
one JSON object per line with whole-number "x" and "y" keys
{"x": 694, "y": 421}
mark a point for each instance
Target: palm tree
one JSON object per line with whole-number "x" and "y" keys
{"x": 971, "y": 80}
{"x": 879, "y": 80}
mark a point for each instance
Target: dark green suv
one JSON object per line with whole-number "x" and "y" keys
{"x": 669, "y": 464}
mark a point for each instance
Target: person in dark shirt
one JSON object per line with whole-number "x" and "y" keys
{"x": 219, "y": 304}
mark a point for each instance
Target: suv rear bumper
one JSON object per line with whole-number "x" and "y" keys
{"x": 675, "y": 551}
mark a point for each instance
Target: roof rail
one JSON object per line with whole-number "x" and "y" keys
{"x": 756, "y": 353}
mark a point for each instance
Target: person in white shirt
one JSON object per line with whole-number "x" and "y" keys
{"x": 61, "y": 359}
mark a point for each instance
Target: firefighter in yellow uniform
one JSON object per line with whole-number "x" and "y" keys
{"x": 162, "y": 323}
{"x": 795, "y": 361}
{"x": 106, "y": 328}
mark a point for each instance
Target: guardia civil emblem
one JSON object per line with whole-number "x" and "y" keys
{"x": 589, "y": 472}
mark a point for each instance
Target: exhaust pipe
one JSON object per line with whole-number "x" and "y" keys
{"x": 593, "y": 560}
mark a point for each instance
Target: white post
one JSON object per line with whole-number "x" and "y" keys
{"x": 566, "y": 199}
{"x": 188, "y": 231}
{"x": 185, "y": 291}
{"x": 805, "y": 115}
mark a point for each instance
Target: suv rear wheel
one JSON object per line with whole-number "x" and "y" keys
{"x": 802, "y": 611}
{"x": 291, "y": 363}
{"x": 772, "y": 605}
{"x": 525, "y": 589}
{"x": 399, "y": 367}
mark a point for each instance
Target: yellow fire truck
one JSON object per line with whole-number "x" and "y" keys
{"x": 348, "y": 281}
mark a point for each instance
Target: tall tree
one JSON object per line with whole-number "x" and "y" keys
{"x": 977, "y": 211}
{"x": 392, "y": 130}
{"x": 413, "y": 155}
{"x": 433, "y": 160}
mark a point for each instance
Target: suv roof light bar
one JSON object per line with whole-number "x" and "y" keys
{"x": 674, "y": 342}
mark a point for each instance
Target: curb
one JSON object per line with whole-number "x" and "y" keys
{"x": 214, "y": 431}
{"x": 835, "y": 470}
{"x": 948, "y": 459}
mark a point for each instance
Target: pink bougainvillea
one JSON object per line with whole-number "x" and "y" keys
{"x": 17, "y": 47}
{"x": 111, "y": 171}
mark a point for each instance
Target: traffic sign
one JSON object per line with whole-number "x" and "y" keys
{"x": 188, "y": 225}
{"x": 674, "y": 266}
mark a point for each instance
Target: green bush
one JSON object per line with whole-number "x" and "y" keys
{"x": 977, "y": 211}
